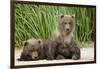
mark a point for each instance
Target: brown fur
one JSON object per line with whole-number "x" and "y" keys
{"x": 31, "y": 49}
{"x": 64, "y": 34}
{"x": 66, "y": 22}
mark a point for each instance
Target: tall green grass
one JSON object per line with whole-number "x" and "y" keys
{"x": 39, "y": 21}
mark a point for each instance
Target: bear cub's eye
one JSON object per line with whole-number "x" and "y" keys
{"x": 65, "y": 22}
{"x": 69, "y": 22}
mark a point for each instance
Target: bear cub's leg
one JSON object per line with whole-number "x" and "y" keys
{"x": 75, "y": 51}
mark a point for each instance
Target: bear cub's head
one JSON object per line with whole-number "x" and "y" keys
{"x": 31, "y": 49}
{"x": 66, "y": 23}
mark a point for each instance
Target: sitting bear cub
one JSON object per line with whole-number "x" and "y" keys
{"x": 68, "y": 48}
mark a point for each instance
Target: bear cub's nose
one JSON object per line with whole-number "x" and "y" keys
{"x": 67, "y": 29}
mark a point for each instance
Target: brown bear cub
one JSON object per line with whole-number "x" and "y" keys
{"x": 64, "y": 35}
{"x": 37, "y": 49}
{"x": 30, "y": 50}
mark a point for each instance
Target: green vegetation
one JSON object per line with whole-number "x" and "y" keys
{"x": 40, "y": 21}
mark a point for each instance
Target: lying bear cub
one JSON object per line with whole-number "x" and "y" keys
{"x": 37, "y": 49}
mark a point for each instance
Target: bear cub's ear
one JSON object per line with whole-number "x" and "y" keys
{"x": 73, "y": 16}
{"x": 40, "y": 41}
{"x": 62, "y": 16}
{"x": 25, "y": 43}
